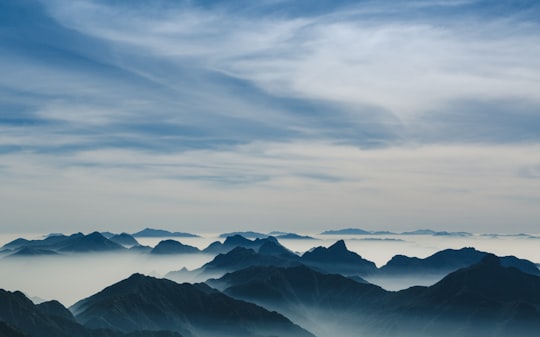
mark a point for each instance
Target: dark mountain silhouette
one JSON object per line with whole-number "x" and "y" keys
{"x": 93, "y": 242}
{"x": 339, "y": 260}
{"x": 486, "y": 299}
{"x": 236, "y": 259}
{"x": 20, "y": 317}
{"x": 237, "y": 240}
{"x": 124, "y": 239}
{"x": 355, "y": 231}
{"x": 51, "y": 242}
{"x": 293, "y": 236}
{"x": 8, "y": 331}
{"x": 315, "y": 300}
{"x": 435, "y": 233}
{"x": 248, "y": 234}
{"x": 75, "y": 243}
{"x": 143, "y": 302}
{"x": 335, "y": 259}
{"x": 446, "y": 261}
{"x": 298, "y": 286}
{"x": 160, "y": 233}
{"x": 346, "y": 231}
{"x": 173, "y": 247}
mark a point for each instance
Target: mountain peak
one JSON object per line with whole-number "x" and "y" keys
{"x": 338, "y": 246}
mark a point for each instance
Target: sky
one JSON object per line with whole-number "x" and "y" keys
{"x": 213, "y": 116}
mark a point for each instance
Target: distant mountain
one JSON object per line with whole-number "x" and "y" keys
{"x": 173, "y": 247}
{"x": 248, "y": 234}
{"x": 446, "y": 261}
{"x": 75, "y": 243}
{"x": 19, "y": 317}
{"x": 31, "y": 251}
{"x": 435, "y": 233}
{"x": 160, "y": 233}
{"x": 293, "y": 236}
{"x": 124, "y": 239}
{"x": 93, "y": 242}
{"x": 339, "y": 260}
{"x": 143, "y": 302}
{"x": 238, "y": 240}
{"x": 108, "y": 235}
{"x": 346, "y": 231}
{"x": 236, "y": 259}
{"x": 51, "y": 242}
{"x": 336, "y": 259}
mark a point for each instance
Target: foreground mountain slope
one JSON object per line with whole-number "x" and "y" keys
{"x": 486, "y": 299}
{"x": 20, "y": 317}
{"x": 143, "y": 302}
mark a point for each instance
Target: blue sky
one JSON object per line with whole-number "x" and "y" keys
{"x": 270, "y": 115}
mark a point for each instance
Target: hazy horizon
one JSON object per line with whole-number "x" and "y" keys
{"x": 92, "y": 272}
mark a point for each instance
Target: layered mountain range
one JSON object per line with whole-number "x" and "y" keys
{"x": 257, "y": 287}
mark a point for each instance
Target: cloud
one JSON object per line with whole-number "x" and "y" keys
{"x": 275, "y": 111}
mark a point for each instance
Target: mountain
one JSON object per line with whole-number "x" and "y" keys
{"x": 339, "y": 260}
{"x": 78, "y": 242}
{"x": 293, "y": 236}
{"x": 236, "y": 259}
{"x": 160, "y": 233}
{"x": 298, "y": 285}
{"x": 346, "y": 231}
{"x": 335, "y": 259}
{"x": 143, "y": 302}
{"x": 355, "y": 231}
{"x": 32, "y": 251}
{"x": 485, "y": 299}
{"x": 238, "y": 240}
{"x": 123, "y": 239}
{"x": 435, "y": 233}
{"x": 446, "y": 261}
{"x": 93, "y": 242}
{"x": 247, "y": 234}
{"x": 173, "y": 247}
{"x": 8, "y": 331}
{"x": 312, "y": 299}
{"x": 51, "y": 242}
{"x": 19, "y": 317}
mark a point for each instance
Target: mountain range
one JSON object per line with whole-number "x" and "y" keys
{"x": 146, "y": 303}
{"x": 485, "y": 299}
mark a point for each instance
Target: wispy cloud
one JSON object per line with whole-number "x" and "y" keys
{"x": 291, "y": 105}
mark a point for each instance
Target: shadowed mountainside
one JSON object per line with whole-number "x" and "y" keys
{"x": 143, "y": 302}
{"x": 20, "y": 317}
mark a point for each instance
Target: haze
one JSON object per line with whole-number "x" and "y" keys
{"x": 71, "y": 278}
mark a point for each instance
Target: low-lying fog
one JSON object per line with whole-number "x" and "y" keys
{"x": 71, "y": 278}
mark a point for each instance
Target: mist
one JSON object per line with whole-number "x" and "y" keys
{"x": 70, "y": 278}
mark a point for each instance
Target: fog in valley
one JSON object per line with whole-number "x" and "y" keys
{"x": 69, "y": 278}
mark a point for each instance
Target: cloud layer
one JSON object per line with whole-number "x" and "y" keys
{"x": 269, "y": 114}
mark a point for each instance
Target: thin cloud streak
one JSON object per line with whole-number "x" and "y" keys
{"x": 412, "y": 114}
